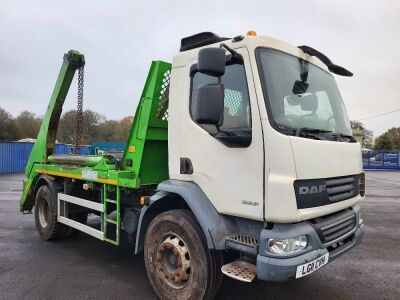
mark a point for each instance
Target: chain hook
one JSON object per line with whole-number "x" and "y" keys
{"x": 79, "y": 110}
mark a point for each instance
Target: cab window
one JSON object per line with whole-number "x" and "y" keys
{"x": 236, "y": 98}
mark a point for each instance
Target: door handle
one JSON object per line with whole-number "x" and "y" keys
{"x": 186, "y": 166}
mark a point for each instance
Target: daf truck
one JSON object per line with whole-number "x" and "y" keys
{"x": 240, "y": 162}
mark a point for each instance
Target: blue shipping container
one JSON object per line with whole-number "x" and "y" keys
{"x": 14, "y": 155}
{"x": 381, "y": 160}
{"x": 108, "y": 146}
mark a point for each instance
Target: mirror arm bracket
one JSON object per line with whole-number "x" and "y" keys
{"x": 232, "y": 51}
{"x": 223, "y": 45}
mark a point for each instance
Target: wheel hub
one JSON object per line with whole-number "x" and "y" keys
{"x": 173, "y": 261}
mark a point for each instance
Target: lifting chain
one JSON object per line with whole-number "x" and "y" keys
{"x": 79, "y": 110}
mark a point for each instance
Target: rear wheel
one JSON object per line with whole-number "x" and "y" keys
{"x": 46, "y": 215}
{"x": 178, "y": 262}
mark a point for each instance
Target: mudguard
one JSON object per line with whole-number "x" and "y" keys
{"x": 216, "y": 227}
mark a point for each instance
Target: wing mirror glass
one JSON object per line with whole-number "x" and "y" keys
{"x": 211, "y": 61}
{"x": 209, "y": 106}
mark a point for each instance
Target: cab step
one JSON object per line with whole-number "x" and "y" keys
{"x": 240, "y": 270}
{"x": 243, "y": 243}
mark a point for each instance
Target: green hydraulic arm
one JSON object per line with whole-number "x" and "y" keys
{"x": 45, "y": 141}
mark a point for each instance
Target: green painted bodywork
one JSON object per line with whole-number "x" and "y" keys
{"x": 148, "y": 138}
{"x": 145, "y": 159}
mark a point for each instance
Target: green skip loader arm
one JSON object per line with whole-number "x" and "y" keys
{"x": 44, "y": 145}
{"x": 145, "y": 159}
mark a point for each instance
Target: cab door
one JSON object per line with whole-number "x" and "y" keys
{"x": 229, "y": 173}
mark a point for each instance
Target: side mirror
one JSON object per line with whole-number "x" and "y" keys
{"x": 211, "y": 61}
{"x": 209, "y": 105}
{"x": 300, "y": 87}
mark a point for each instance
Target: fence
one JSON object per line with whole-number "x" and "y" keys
{"x": 14, "y": 155}
{"x": 381, "y": 160}
{"x": 98, "y": 147}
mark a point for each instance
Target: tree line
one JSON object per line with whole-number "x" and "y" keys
{"x": 97, "y": 128}
{"x": 389, "y": 140}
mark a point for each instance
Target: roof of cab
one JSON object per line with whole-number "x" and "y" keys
{"x": 192, "y": 44}
{"x": 199, "y": 40}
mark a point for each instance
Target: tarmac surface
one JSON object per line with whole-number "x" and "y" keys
{"x": 82, "y": 267}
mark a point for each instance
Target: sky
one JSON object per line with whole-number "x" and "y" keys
{"x": 120, "y": 39}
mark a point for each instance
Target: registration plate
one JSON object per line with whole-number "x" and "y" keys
{"x": 312, "y": 266}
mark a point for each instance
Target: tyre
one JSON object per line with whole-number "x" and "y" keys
{"x": 178, "y": 262}
{"x": 46, "y": 215}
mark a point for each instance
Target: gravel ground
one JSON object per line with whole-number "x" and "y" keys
{"x": 83, "y": 267}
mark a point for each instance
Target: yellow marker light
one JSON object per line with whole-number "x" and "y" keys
{"x": 132, "y": 149}
{"x": 144, "y": 200}
{"x": 251, "y": 33}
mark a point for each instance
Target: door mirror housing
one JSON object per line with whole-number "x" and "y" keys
{"x": 300, "y": 87}
{"x": 209, "y": 106}
{"x": 211, "y": 61}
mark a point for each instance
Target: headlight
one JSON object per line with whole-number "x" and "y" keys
{"x": 287, "y": 246}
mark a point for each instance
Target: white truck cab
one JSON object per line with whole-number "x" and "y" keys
{"x": 281, "y": 154}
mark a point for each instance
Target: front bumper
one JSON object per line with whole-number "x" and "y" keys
{"x": 272, "y": 267}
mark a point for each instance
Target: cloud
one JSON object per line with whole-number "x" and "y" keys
{"x": 119, "y": 40}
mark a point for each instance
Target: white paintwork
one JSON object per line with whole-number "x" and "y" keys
{"x": 74, "y": 224}
{"x": 81, "y": 202}
{"x": 81, "y": 227}
{"x": 227, "y": 175}
{"x": 323, "y": 159}
{"x": 89, "y": 174}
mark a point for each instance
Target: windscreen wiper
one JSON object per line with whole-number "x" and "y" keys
{"x": 309, "y": 130}
{"x": 315, "y": 132}
{"x": 342, "y": 135}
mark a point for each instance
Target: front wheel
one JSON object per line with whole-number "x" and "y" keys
{"x": 178, "y": 263}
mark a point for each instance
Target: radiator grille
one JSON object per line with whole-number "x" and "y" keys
{"x": 325, "y": 191}
{"x": 334, "y": 226}
{"x": 339, "y": 189}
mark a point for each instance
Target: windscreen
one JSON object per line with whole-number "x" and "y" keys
{"x": 300, "y": 95}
